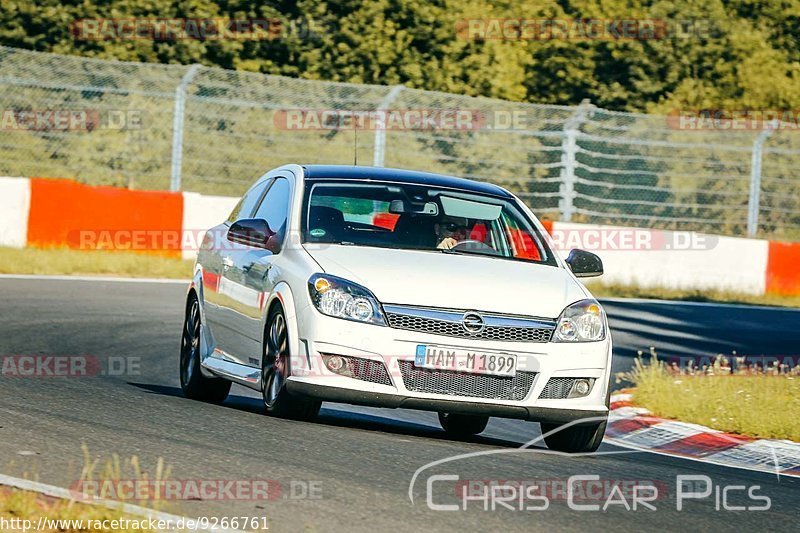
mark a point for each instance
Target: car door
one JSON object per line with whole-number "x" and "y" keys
{"x": 221, "y": 310}
{"x": 251, "y": 273}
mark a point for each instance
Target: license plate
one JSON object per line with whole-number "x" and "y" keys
{"x": 460, "y": 360}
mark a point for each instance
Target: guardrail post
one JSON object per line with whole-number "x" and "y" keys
{"x": 754, "y": 201}
{"x": 177, "y": 128}
{"x": 569, "y": 147}
{"x": 379, "y": 150}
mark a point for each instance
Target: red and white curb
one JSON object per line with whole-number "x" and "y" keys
{"x": 635, "y": 428}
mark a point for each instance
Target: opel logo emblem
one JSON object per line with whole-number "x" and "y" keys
{"x": 473, "y": 323}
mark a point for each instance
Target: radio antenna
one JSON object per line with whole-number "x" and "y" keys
{"x": 355, "y": 144}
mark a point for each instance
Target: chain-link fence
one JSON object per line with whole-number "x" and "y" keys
{"x": 214, "y": 131}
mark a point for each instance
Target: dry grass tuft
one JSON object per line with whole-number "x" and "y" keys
{"x": 727, "y": 395}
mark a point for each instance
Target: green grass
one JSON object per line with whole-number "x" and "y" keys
{"x": 747, "y": 401}
{"x": 59, "y": 261}
{"x": 601, "y": 290}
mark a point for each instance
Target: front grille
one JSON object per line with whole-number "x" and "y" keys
{"x": 464, "y": 384}
{"x": 557, "y": 388}
{"x": 367, "y": 370}
{"x": 455, "y": 329}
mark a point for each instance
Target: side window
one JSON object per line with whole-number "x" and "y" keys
{"x": 246, "y": 206}
{"x": 275, "y": 206}
{"x": 522, "y": 242}
{"x": 359, "y": 210}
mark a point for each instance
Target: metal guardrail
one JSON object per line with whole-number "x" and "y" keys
{"x": 212, "y": 130}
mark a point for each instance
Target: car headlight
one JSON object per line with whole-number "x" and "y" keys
{"x": 583, "y": 321}
{"x": 337, "y": 297}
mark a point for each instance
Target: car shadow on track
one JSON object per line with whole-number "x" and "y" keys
{"x": 340, "y": 417}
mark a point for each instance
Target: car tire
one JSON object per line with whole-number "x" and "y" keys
{"x": 194, "y": 384}
{"x": 275, "y": 369}
{"x": 574, "y": 439}
{"x": 461, "y": 426}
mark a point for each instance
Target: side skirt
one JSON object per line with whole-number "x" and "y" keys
{"x": 242, "y": 374}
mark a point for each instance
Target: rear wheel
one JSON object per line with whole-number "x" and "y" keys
{"x": 193, "y": 383}
{"x": 574, "y": 439}
{"x": 275, "y": 369}
{"x": 457, "y": 425}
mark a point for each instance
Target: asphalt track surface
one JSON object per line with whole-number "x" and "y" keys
{"x": 359, "y": 461}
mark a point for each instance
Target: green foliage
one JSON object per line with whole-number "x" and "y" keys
{"x": 736, "y": 54}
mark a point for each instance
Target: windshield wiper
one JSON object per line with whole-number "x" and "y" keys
{"x": 471, "y": 252}
{"x": 342, "y": 243}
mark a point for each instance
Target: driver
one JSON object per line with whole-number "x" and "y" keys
{"x": 449, "y": 234}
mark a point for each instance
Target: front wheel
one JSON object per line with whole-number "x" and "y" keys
{"x": 574, "y": 439}
{"x": 462, "y": 425}
{"x": 275, "y": 367}
{"x": 193, "y": 383}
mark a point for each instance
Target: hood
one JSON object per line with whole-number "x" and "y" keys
{"x": 432, "y": 279}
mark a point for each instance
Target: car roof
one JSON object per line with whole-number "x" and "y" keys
{"x": 349, "y": 172}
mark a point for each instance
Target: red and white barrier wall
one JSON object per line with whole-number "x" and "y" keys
{"x": 670, "y": 259}
{"x": 46, "y": 212}
{"x": 15, "y": 201}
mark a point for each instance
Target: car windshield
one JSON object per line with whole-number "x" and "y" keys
{"x": 417, "y": 217}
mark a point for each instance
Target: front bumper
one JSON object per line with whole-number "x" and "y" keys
{"x": 466, "y": 407}
{"x": 319, "y": 334}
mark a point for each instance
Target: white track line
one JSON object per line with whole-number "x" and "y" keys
{"x": 58, "y": 492}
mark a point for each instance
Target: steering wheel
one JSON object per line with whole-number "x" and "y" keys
{"x": 471, "y": 245}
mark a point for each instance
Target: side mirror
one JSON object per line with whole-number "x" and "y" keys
{"x": 254, "y": 232}
{"x": 584, "y": 264}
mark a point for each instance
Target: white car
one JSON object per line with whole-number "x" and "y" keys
{"x": 394, "y": 288}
